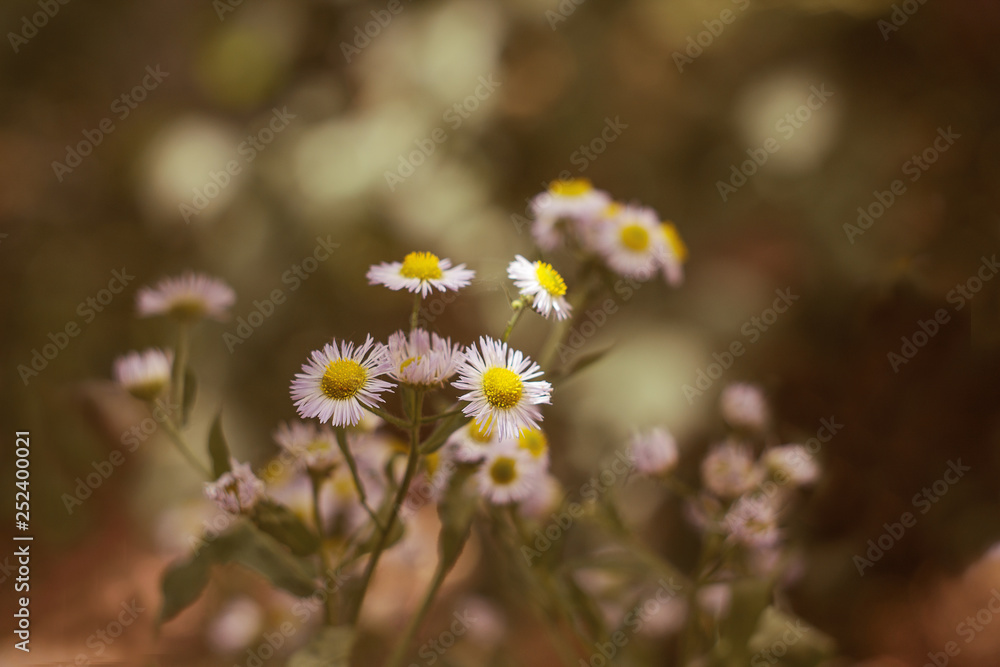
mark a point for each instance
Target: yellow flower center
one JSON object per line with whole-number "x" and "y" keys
{"x": 635, "y": 237}
{"x": 549, "y": 279}
{"x": 574, "y": 187}
{"x": 534, "y": 441}
{"x": 477, "y": 431}
{"x": 421, "y": 265}
{"x": 503, "y": 471}
{"x": 318, "y": 447}
{"x": 502, "y": 387}
{"x": 432, "y": 461}
{"x": 613, "y": 209}
{"x": 343, "y": 379}
{"x": 674, "y": 241}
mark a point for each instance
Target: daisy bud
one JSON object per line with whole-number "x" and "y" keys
{"x": 236, "y": 491}
{"x": 187, "y": 298}
{"x": 744, "y": 406}
{"x": 792, "y": 462}
{"x": 654, "y": 452}
{"x": 729, "y": 470}
{"x": 144, "y": 374}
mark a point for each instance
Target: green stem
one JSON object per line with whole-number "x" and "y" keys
{"x": 557, "y": 334}
{"x": 411, "y": 469}
{"x": 392, "y": 419}
{"x": 415, "y": 315}
{"x": 518, "y": 307}
{"x": 417, "y": 619}
{"x": 180, "y": 366}
{"x": 352, "y": 465}
{"x": 185, "y": 450}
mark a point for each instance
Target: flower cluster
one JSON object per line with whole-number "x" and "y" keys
{"x": 630, "y": 239}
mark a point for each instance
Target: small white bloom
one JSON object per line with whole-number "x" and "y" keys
{"x": 540, "y": 281}
{"x": 744, "y": 406}
{"x": 633, "y": 243}
{"x": 566, "y": 207}
{"x": 672, "y": 263}
{"x": 422, "y": 358}
{"x": 729, "y": 470}
{"x": 534, "y": 441}
{"x": 470, "y": 442}
{"x": 188, "y": 297}
{"x": 715, "y": 599}
{"x": 753, "y": 522}
{"x": 502, "y": 393}
{"x": 421, "y": 272}
{"x": 237, "y": 624}
{"x": 339, "y": 379}
{"x": 508, "y": 475}
{"x": 314, "y": 445}
{"x": 794, "y": 463}
{"x": 654, "y": 452}
{"x": 236, "y": 491}
{"x": 144, "y": 374}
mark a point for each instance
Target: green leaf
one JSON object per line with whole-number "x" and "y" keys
{"x": 330, "y": 648}
{"x": 585, "y": 361}
{"x": 261, "y": 553}
{"x": 437, "y": 438}
{"x": 182, "y": 583}
{"x": 456, "y": 511}
{"x": 280, "y": 523}
{"x": 217, "y": 448}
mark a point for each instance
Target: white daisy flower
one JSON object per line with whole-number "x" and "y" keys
{"x": 672, "y": 263}
{"x": 729, "y": 470}
{"x": 533, "y": 441}
{"x": 541, "y": 281}
{"x": 338, "y": 380}
{"x": 792, "y": 463}
{"x": 188, "y": 297}
{"x": 654, "y": 452}
{"x": 470, "y": 443}
{"x": 567, "y": 206}
{"x": 753, "y": 523}
{"x": 236, "y": 491}
{"x": 502, "y": 395}
{"x": 633, "y": 243}
{"x": 743, "y": 405}
{"x": 315, "y": 446}
{"x": 422, "y": 358}
{"x": 421, "y": 272}
{"x": 144, "y": 374}
{"x": 508, "y": 475}
{"x": 544, "y": 499}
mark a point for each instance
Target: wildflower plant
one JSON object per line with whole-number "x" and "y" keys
{"x": 368, "y": 418}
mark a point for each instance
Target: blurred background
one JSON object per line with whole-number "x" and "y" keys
{"x": 232, "y": 137}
